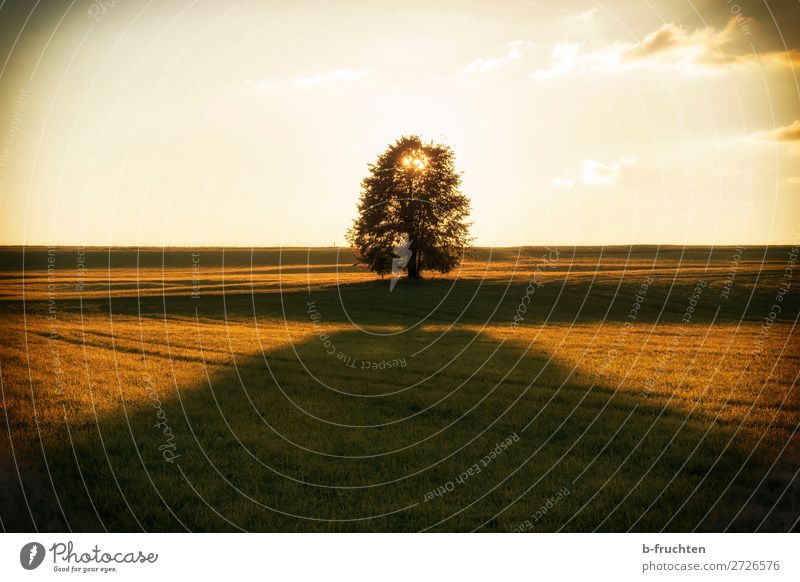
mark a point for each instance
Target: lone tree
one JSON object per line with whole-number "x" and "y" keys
{"x": 411, "y": 214}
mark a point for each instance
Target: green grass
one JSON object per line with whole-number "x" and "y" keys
{"x": 656, "y": 425}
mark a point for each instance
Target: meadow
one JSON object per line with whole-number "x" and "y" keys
{"x": 534, "y": 389}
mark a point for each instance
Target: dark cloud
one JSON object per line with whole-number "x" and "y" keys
{"x": 789, "y": 132}
{"x": 773, "y": 25}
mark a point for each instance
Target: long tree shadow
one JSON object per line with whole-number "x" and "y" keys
{"x": 364, "y": 431}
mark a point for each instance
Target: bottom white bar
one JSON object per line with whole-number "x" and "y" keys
{"x": 389, "y": 557}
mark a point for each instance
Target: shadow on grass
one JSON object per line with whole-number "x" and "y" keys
{"x": 365, "y": 437}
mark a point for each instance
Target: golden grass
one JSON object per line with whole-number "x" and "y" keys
{"x": 96, "y": 360}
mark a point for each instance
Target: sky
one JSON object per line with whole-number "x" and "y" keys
{"x": 253, "y": 123}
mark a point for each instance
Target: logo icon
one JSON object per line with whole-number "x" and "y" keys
{"x": 31, "y": 555}
{"x": 402, "y": 256}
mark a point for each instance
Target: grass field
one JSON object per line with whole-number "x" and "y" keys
{"x": 615, "y": 389}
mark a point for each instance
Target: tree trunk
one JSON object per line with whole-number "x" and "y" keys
{"x": 413, "y": 266}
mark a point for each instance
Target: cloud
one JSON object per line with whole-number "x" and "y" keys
{"x": 579, "y": 24}
{"x": 789, "y": 132}
{"x": 596, "y": 173}
{"x": 313, "y": 80}
{"x": 563, "y": 182}
{"x": 513, "y": 53}
{"x": 672, "y": 47}
{"x": 585, "y": 16}
{"x": 566, "y": 58}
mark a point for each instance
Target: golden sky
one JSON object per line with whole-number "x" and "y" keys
{"x": 252, "y": 123}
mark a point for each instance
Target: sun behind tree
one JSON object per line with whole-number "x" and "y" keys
{"x": 411, "y": 213}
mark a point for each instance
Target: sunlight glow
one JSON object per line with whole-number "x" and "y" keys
{"x": 415, "y": 160}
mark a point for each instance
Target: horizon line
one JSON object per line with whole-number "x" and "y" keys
{"x": 297, "y": 247}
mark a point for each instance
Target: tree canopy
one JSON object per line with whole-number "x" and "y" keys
{"x": 411, "y": 212}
